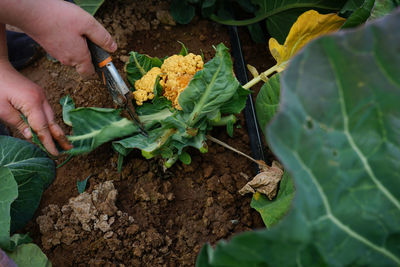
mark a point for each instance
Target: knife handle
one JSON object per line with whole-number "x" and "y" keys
{"x": 107, "y": 73}
{"x": 100, "y": 57}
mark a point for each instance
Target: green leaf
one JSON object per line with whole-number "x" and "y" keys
{"x": 8, "y": 193}
{"x": 272, "y": 211}
{"x": 81, "y": 185}
{"x": 90, "y": 6}
{"x": 33, "y": 171}
{"x": 337, "y": 133}
{"x": 182, "y": 11}
{"x": 139, "y": 65}
{"x": 19, "y": 239}
{"x": 210, "y": 88}
{"x": 267, "y": 101}
{"x": 360, "y": 15}
{"x": 383, "y": 7}
{"x": 184, "y": 50}
{"x": 67, "y": 105}
{"x": 352, "y": 5}
{"x": 237, "y": 102}
{"x": 28, "y": 255}
{"x": 95, "y": 126}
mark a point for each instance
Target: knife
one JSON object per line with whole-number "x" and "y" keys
{"x": 116, "y": 86}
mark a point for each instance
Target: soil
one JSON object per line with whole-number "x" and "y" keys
{"x": 145, "y": 216}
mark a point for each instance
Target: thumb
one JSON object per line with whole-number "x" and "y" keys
{"x": 100, "y": 36}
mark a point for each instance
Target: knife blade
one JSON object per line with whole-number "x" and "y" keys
{"x": 116, "y": 86}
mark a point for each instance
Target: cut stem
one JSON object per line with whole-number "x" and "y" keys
{"x": 219, "y": 142}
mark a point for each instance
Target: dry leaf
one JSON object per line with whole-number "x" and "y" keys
{"x": 307, "y": 27}
{"x": 266, "y": 182}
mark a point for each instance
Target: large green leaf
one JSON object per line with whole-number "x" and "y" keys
{"x": 29, "y": 255}
{"x": 91, "y": 6}
{"x": 272, "y": 211}
{"x": 33, "y": 171}
{"x": 337, "y": 133}
{"x": 182, "y": 11}
{"x": 267, "y": 101}
{"x": 8, "y": 193}
{"x": 210, "y": 88}
{"x": 95, "y": 126}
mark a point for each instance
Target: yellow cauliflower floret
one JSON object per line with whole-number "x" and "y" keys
{"x": 144, "y": 86}
{"x": 177, "y": 71}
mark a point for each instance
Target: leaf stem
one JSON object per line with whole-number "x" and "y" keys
{"x": 257, "y": 79}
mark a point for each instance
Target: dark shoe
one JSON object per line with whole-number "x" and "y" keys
{"x": 4, "y": 129}
{"x": 21, "y": 49}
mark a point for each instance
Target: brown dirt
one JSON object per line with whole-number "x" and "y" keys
{"x": 173, "y": 213}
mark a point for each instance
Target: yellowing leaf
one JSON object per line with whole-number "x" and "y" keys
{"x": 307, "y": 27}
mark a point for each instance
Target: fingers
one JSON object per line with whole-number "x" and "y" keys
{"x": 85, "y": 66}
{"x": 55, "y": 129}
{"x": 12, "y": 117}
{"x": 38, "y": 121}
{"x": 100, "y": 36}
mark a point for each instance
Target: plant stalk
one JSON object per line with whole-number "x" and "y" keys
{"x": 219, "y": 142}
{"x": 257, "y": 79}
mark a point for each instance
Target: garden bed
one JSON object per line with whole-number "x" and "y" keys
{"x": 163, "y": 217}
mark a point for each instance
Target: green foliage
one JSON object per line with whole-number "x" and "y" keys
{"x": 211, "y": 92}
{"x": 140, "y": 64}
{"x": 90, "y": 6}
{"x": 25, "y": 172}
{"x": 272, "y": 211}
{"x": 360, "y": 15}
{"x": 81, "y": 185}
{"x": 182, "y": 11}
{"x": 94, "y": 126}
{"x": 33, "y": 171}
{"x": 267, "y": 101}
{"x": 383, "y": 7}
{"x": 8, "y": 193}
{"x": 336, "y": 132}
{"x": 28, "y": 255}
{"x": 67, "y": 105}
{"x": 278, "y": 16}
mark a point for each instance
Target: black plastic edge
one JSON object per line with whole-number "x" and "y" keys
{"x": 256, "y": 144}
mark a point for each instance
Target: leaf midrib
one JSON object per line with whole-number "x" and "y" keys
{"x": 194, "y": 116}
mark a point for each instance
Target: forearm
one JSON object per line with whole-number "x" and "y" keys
{"x": 20, "y": 12}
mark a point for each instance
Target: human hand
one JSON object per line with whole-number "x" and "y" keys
{"x": 20, "y": 95}
{"x": 61, "y": 29}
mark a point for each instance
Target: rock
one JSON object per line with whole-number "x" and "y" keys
{"x": 68, "y": 236}
{"x": 124, "y": 59}
{"x": 108, "y": 235}
{"x": 133, "y": 229}
{"x": 84, "y": 209}
{"x": 45, "y": 224}
{"x": 165, "y": 17}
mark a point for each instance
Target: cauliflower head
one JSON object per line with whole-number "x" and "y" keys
{"x": 144, "y": 86}
{"x": 175, "y": 73}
